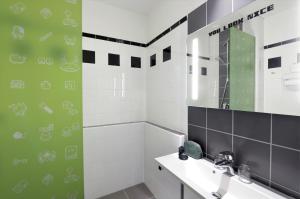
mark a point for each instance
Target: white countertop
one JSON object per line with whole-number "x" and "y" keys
{"x": 204, "y": 178}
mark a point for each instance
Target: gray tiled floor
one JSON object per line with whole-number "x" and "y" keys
{"x": 139, "y": 191}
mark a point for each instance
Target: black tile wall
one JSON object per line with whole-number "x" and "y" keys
{"x": 286, "y": 131}
{"x": 218, "y": 142}
{"x": 220, "y": 120}
{"x": 253, "y": 153}
{"x": 268, "y": 143}
{"x": 253, "y": 125}
{"x": 197, "y": 19}
{"x": 198, "y": 134}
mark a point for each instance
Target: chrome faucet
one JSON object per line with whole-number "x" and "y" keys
{"x": 225, "y": 160}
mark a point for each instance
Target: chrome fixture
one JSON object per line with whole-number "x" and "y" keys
{"x": 225, "y": 160}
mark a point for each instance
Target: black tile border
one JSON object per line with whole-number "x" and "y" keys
{"x": 282, "y": 43}
{"x": 132, "y": 43}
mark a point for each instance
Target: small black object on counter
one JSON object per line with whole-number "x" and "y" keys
{"x": 181, "y": 154}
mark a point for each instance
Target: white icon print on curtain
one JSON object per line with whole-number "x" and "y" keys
{"x": 18, "y": 8}
{"x": 68, "y": 131}
{"x": 72, "y": 1}
{"x": 17, "y": 84}
{"x": 70, "y": 176}
{"x": 46, "y": 13}
{"x": 18, "y": 32}
{"x": 18, "y": 135}
{"x": 17, "y": 162}
{"x": 46, "y": 108}
{"x": 19, "y": 109}
{"x": 69, "y": 106}
{"x": 70, "y": 41}
{"x": 70, "y": 84}
{"x": 70, "y": 66}
{"x": 71, "y": 152}
{"x": 45, "y": 85}
{"x": 46, "y": 156}
{"x": 45, "y": 61}
{"x": 17, "y": 58}
{"x": 48, "y": 179}
{"x": 68, "y": 20}
{"x": 73, "y": 195}
{"x": 20, "y": 186}
{"x": 46, "y": 133}
{"x": 46, "y": 36}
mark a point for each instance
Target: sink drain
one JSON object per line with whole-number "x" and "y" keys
{"x": 216, "y": 195}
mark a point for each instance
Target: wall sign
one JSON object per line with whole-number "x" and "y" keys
{"x": 242, "y": 20}
{"x": 41, "y": 151}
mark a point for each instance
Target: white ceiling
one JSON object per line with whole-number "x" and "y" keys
{"x": 140, "y": 6}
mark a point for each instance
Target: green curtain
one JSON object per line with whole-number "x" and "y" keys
{"x": 41, "y": 153}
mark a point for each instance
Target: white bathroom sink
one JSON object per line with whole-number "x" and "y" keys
{"x": 204, "y": 178}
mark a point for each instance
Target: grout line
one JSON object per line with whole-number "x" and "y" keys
{"x": 285, "y": 147}
{"x": 127, "y": 197}
{"x": 114, "y": 124}
{"x": 206, "y": 144}
{"x": 219, "y": 131}
{"x": 271, "y": 141}
{"x": 232, "y": 131}
{"x": 251, "y": 139}
{"x": 239, "y": 136}
{"x": 194, "y": 125}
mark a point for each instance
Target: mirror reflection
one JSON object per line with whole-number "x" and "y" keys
{"x": 249, "y": 61}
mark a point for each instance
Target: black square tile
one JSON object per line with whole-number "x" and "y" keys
{"x": 135, "y": 62}
{"x": 153, "y": 60}
{"x": 197, "y": 116}
{"x": 88, "y": 56}
{"x": 203, "y": 71}
{"x": 286, "y": 131}
{"x": 113, "y": 59}
{"x": 253, "y": 125}
{"x": 218, "y": 142}
{"x": 198, "y": 135}
{"x": 167, "y": 52}
{"x": 286, "y": 168}
{"x": 274, "y": 62}
{"x": 255, "y": 154}
{"x": 220, "y": 120}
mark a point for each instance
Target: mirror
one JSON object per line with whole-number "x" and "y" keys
{"x": 249, "y": 60}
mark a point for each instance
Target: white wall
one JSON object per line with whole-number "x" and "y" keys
{"x": 113, "y": 158}
{"x": 279, "y": 98}
{"x": 113, "y": 94}
{"x": 166, "y": 82}
{"x": 160, "y": 142}
{"x": 100, "y": 18}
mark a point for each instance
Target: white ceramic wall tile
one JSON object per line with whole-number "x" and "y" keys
{"x": 113, "y": 158}
{"x": 166, "y": 82}
{"x": 114, "y": 94}
{"x": 103, "y": 19}
{"x": 160, "y": 142}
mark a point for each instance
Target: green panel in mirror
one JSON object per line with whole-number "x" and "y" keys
{"x": 242, "y": 70}
{"x": 41, "y": 149}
